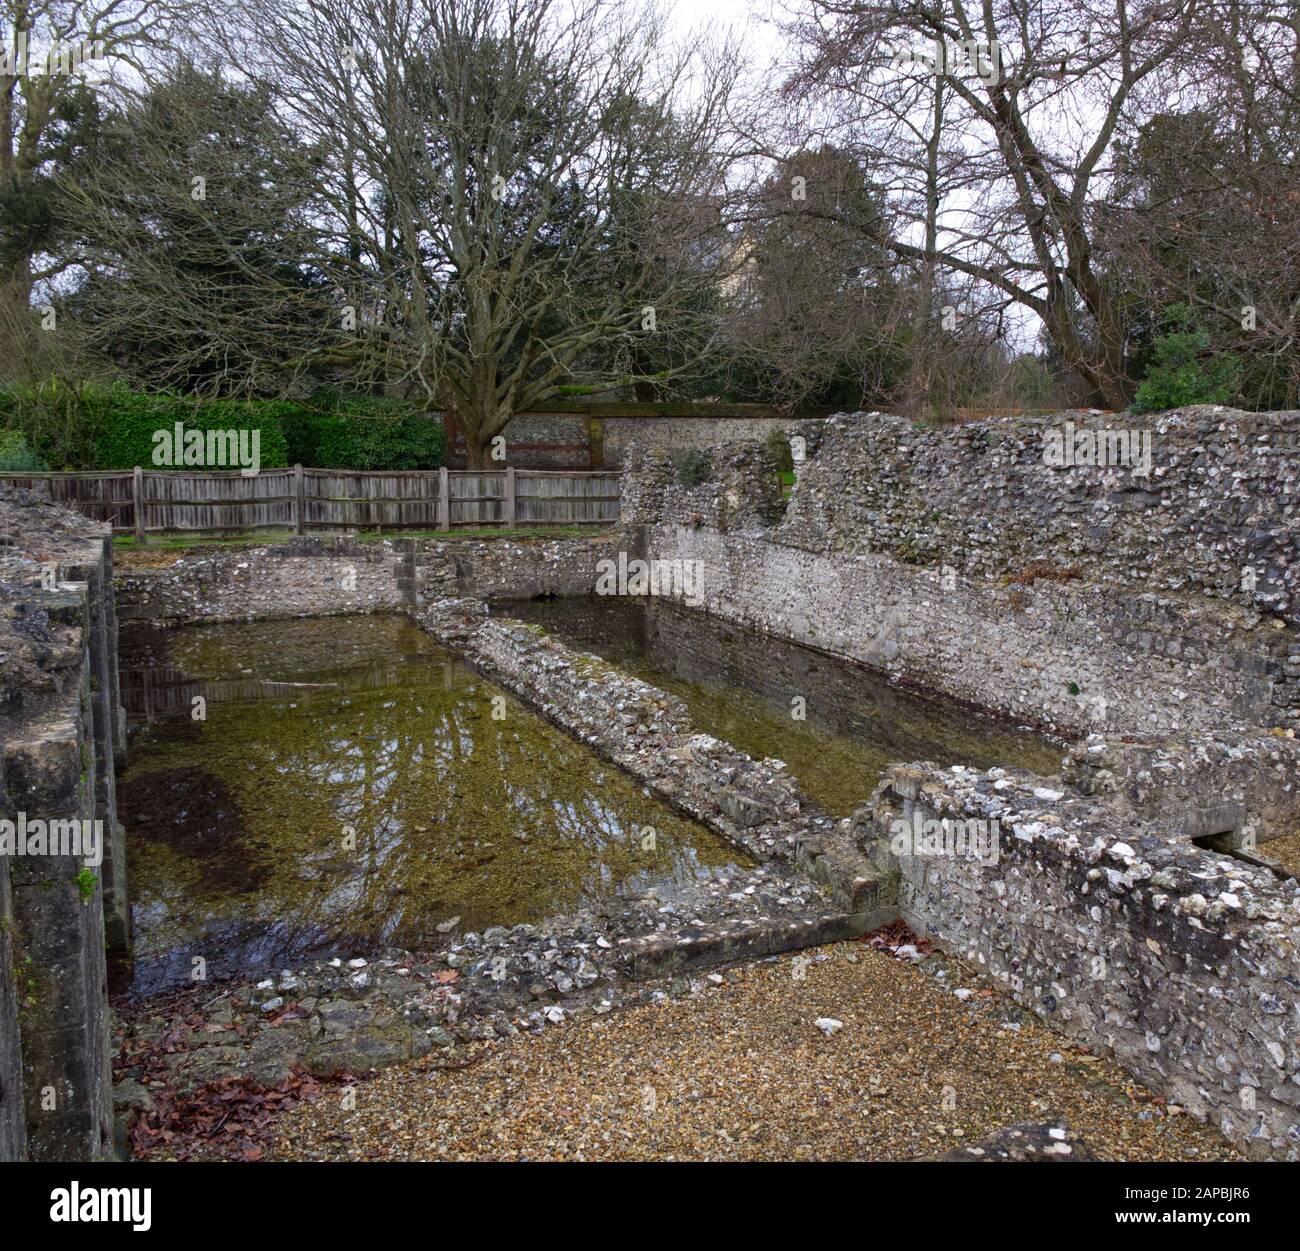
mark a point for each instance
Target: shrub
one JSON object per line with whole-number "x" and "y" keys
{"x": 694, "y": 467}
{"x": 364, "y": 432}
{"x": 16, "y": 456}
{"x": 60, "y": 421}
{"x": 1180, "y": 374}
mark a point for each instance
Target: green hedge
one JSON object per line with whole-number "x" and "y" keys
{"x": 364, "y": 432}
{"x": 127, "y": 437}
{"x": 112, "y": 427}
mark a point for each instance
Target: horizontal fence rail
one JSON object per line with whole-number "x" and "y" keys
{"x": 144, "y": 502}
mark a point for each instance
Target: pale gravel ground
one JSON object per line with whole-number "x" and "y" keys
{"x": 740, "y": 1072}
{"x": 1284, "y": 851}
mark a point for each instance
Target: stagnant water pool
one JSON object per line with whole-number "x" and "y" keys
{"x": 354, "y": 784}
{"x": 743, "y": 687}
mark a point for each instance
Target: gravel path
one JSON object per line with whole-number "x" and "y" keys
{"x": 740, "y": 1071}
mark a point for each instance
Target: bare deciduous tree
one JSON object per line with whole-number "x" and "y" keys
{"x": 1036, "y": 95}
{"x": 509, "y": 185}
{"x": 49, "y": 49}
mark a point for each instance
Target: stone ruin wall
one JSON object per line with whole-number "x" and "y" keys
{"x": 1183, "y": 964}
{"x": 61, "y": 731}
{"x": 955, "y": 559}
{"x": 1091, "y": 603}
{"x": 331, "y": 576}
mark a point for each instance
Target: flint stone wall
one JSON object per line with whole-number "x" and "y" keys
{"x": 61, "y": 731}
{"x": 1076, "y": 599}
{"x": 327, "y": 577}
{"x": 1183, "y": 963}
{"x": 303, "y": 577}
{"x": 1196, "y": 785}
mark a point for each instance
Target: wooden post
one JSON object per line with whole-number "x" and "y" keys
{"x": 137, "y": 495}
{"x": 299, "y": 511}
{"x": 444, "y": 500}
{"x": 510, "y": 497}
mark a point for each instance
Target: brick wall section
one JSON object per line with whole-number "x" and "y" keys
{"x": 1184, "y": 964}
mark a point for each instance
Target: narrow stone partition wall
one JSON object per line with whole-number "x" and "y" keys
{"x": 1184, "y": 964}
{"x": 756, "y": 805}
{"x": 63, "y": 895}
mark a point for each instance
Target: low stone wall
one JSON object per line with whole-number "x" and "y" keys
{"x": 304, "y": 577}
{"x": 1184, "y": 964}
{"x": 60, "y": 731}
{"x": 1244, "y": 785}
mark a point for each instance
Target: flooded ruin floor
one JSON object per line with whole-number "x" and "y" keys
{"x": 353, "y": 784}
{"x": 742, "y": 687}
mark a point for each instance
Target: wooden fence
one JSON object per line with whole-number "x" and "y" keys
{"x": 143, "y": 502}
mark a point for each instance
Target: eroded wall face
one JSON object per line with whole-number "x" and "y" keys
{"x": 1184, "y": 964}
{"x": 1078, "y": 597}
{"x": 63, "y": 895}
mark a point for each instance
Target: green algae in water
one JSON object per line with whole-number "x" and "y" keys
{"x": 355, "y": 784}
{"x": 740, "y": 687}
